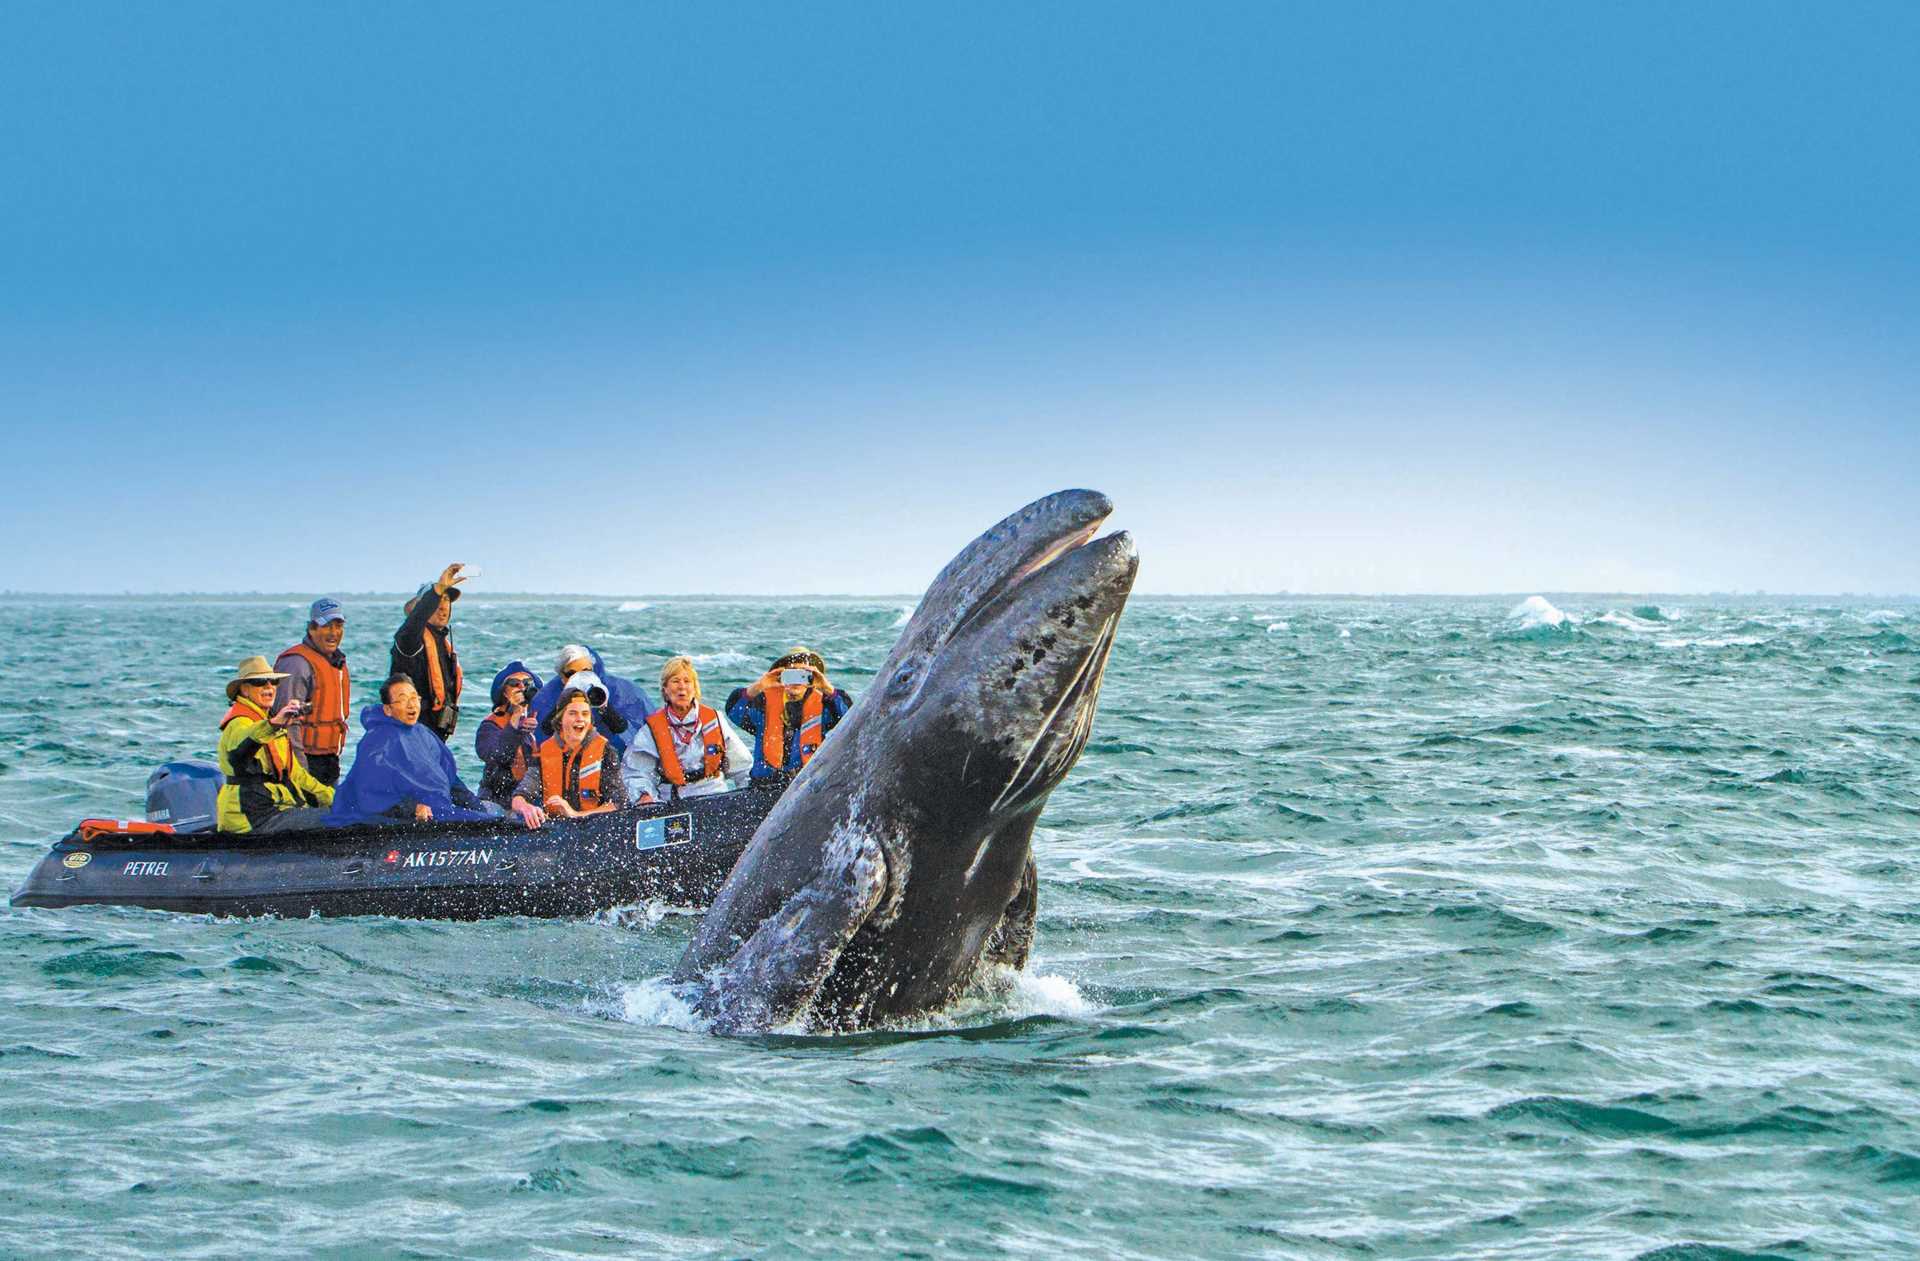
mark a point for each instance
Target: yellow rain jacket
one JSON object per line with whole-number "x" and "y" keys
{"x": 263, "y": 776}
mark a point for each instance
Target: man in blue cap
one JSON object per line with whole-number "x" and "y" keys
{"x": 317, "y": 679}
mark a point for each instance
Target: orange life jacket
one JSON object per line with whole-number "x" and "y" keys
{"x": 94, "y": 829}
{"x": 437, "y": 681}
{"x": 279, "y": 753}
{"x": 323, "y": 728}
{"x": 708, "y": 726}
{"x": 574, "y": 776}
{"x": 773, "y": 729}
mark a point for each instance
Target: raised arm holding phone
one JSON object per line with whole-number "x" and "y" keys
{"x": 788, "y": 710}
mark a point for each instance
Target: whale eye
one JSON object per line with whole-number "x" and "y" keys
{"x": 903, "y": 679}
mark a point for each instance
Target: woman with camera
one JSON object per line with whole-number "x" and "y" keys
{"x": 507, "y": 738}
{"x": 789, "y": 710}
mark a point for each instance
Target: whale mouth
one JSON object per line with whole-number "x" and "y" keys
{"x": 1057, "y": 745}
{"x": 1076, "y": 539}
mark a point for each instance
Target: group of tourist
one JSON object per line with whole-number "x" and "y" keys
{"x": 582, "y": 742}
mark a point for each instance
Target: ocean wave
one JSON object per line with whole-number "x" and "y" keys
{"x": 1631, "y": 621}
{"x": 720, "y": 660}
{"x": 1536, "y": 618}
{"x": 906, "y": 615}
{"x": 633, "y": 606}
{"x": 1712, "y": 641}
{"x": 1277, "y": 626}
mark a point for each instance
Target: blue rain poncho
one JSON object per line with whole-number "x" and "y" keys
{"x": 396, "y": 767}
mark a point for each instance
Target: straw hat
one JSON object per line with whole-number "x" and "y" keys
{"x": 251, "y": 670}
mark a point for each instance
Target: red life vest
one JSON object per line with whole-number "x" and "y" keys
{"x": 773, "y": 728}
{"x": 708, "y": 727}
{"x": 519, "y": 750}
{"x": 279, "y": 752}
{"x": 323, "y": 728}
{"x": 436, "y": 680}
{"x": 574, "y": 776}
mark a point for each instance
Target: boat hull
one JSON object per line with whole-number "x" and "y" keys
{"x": 678, "y": 853}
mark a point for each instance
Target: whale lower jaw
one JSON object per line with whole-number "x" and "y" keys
{"x": 1064, "y": 732}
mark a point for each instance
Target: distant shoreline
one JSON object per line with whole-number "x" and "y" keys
{"x": 531, "y": 597}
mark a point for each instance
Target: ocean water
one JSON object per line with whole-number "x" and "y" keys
{"x": 1586, "y": 928}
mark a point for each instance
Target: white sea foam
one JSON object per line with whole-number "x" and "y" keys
{"x": 720, "y": 660}
{"x": 1046, "y": 994}
{"x": 634, "y": 606}
{"x": 1345, "y": 633}
{"x": 1883, "y": 617}
{"x": 1234, "y": 618}
{"x": 1537, "y": 613}
{"x": 1723, "y": 641}
{"x": 1277, "y": 626}
{"x": 653, "y": 1002}
{"x": 906, "y": 615}
{"x": 1627, "y": 621}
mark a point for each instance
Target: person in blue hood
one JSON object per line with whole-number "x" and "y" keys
{"x": 402, "y": 771}
{"x": 506, "y": 740}
{"x": 626, "y": 707}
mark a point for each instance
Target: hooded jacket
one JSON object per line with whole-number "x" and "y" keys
{"x": 624, "y": 698}
{"x": 497, "y": 745}
{"x": 395, "y": 768}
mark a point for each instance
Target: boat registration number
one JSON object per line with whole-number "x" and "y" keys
{"x": 668, "y": 829}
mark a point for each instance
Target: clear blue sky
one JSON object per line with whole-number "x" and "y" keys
{"x": 659, "y": 298}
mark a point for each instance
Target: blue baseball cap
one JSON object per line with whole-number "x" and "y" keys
{"x": 325, "y": 609}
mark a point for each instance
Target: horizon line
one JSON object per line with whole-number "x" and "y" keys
{"x": 1520, "y": 593}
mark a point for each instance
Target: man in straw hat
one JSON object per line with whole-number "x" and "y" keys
{"x": 266, "y": 789}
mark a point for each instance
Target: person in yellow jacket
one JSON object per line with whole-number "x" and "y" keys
{"x": 266, "y": 790}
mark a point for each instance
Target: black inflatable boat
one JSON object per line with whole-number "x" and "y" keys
{"x": 679, "y": 853}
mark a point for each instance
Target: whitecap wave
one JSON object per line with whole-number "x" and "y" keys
{"x": 1722, "y": 641}
{"x": 906, "y": 615}
{"x": 1629, "y": 621}
{"x": 1277, "y": 626}
{"x": 634, "y": 606}
{"x": 1536, "y": 618}
{"x": 720, "y": 660}
{"x": 1345, "y": 633}
{"x": 1883, "y": 617}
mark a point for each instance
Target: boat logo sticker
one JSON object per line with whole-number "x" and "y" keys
{"x": 393, "y": 856}
{"x": 79, "y": 858}
{"x": 672, "y": 829}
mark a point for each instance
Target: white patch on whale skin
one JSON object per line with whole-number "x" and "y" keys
{"x": 851, "y": 849}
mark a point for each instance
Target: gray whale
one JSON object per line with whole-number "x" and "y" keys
{"x": 902, "y": 856}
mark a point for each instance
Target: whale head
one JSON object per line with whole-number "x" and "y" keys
{"x": 988, "y": 697}
{"x": 900, "y": 855}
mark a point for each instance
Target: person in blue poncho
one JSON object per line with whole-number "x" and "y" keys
{"x": 623, "y": 713}
{"x": 402, "y": 771}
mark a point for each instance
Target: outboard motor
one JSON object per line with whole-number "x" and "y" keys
{"x": 184, "y": 794}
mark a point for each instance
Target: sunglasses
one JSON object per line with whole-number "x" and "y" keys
{"x": 260, "y": 683}
{"x": 518, "y": 685}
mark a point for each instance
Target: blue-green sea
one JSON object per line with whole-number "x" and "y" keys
{"x": 1585, "y": 928}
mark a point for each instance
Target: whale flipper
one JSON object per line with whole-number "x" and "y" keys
{"x": 1013, "y": 939}
{"x": 772, "y": 977}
